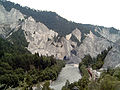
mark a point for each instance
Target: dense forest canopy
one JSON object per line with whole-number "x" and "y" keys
{"x": 54, "y": 21}
{"x": 51, "y": 19}
{"x": 19, "y": 68}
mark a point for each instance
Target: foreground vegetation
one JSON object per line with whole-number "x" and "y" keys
{"x": 108, "y": 80}
{"x": 95, "y": 63}
{"x": 19, "y": 68}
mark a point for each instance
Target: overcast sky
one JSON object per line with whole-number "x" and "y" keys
{"x": 97, "y": 12}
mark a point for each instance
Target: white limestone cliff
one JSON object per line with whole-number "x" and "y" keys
{"x": 10, "y": 17}
{"x": 9, "y": 21}
{"x": 77, "y": 34}
{"x": 112, "y": 59}
{"x": 105, "y": 32}
{"x": 41, "y": 40}
{"x": 92, "y": 45}
{"x": 48, "y": 42}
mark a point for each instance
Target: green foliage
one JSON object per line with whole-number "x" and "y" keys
{"x": 109, "y": 80}
{"x": 83, "y": 83}
{"x": 16, "y": 68}
{"x": 99, "y": 61}
{"x": 54, "y": 21}
{"x": 95, "y": 63}
{"x": 20, "y": 68}
{"x": 93, "y": 86}
{"x": 66, "y": 87}
{"x": 7, "y": 47}
{"x": 117, "y": 73}
{"x": 18, "y": 38}
{"x": 2, "y": 86}
{"x": 51, "y": 20}
{"x": 46, "y": 86}
{"x": 67, "y": 83}
{"x": 84, "y": 71}
{"x": 87, "y": 60}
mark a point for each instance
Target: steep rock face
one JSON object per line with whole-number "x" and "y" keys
{"x": 10, "y": 17}
{"x": 42, "y": 40}
{"x": 9, "y": 21}
{"x": 4, "y": 30}
{"x": 109, "y": 33}
{"x": 92, "y": 45}
{"x": 112, "y": 59}
{"x": 7, "y": 29}
{"x": 68, "y": 36}
{"x": 77, "y": 34}
{"x": 48, "y": 42}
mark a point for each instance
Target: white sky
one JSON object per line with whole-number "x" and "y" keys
{"x": 97, "y": 12}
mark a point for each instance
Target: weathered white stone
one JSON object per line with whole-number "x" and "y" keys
{"x": 10, "y": 17}
{"x": 9, "y": 21}
{"x": 41, "y": 40}
{"x": 68, "y": 36}
{"x": 77, "y": 34}
{"x": 92, "y": 45}
{"x": 112, "y": 59}
{"x": 105, "y": 32}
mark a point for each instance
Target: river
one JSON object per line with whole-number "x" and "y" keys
{"x": 69, "y": 72}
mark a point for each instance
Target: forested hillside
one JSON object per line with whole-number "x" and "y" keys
{"x": 54, "y": 21}
{"x": 7, "y": 47}
{"x": 18, "y": 38}
{"x": 19, "y": 68}
{"x": 51, "y": 19}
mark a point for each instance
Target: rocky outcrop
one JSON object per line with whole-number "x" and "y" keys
{"x": 112, "y": 59}
{"x": 68, "y": 36}
{"x": 47, "y": 42}
{"x": 77, "y": 34}
{"x": 92, "y": 45}
{"x": 9, "y": 21}
{"x": 42, "y": 40}
{"x": 110, "y": 34}
{"x": 10, "y": 17}
{"x": 4, "y": 30}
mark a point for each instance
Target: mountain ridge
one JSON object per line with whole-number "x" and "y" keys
{"x": 33, "y": 49}
{"x": 52, "y": 20}
{"x": 66, "y": 40}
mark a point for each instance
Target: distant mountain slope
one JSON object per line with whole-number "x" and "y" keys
{"x": 112, "y": 59}
{"x": 31, "y": 26}
{"x": 19, "y": 69}
{"x": 53, "y": 21}
{"x": 50, "y": 19}
{"x": 93, "y": 46}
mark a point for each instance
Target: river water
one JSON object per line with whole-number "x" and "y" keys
{"x": 69, "y": 72}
